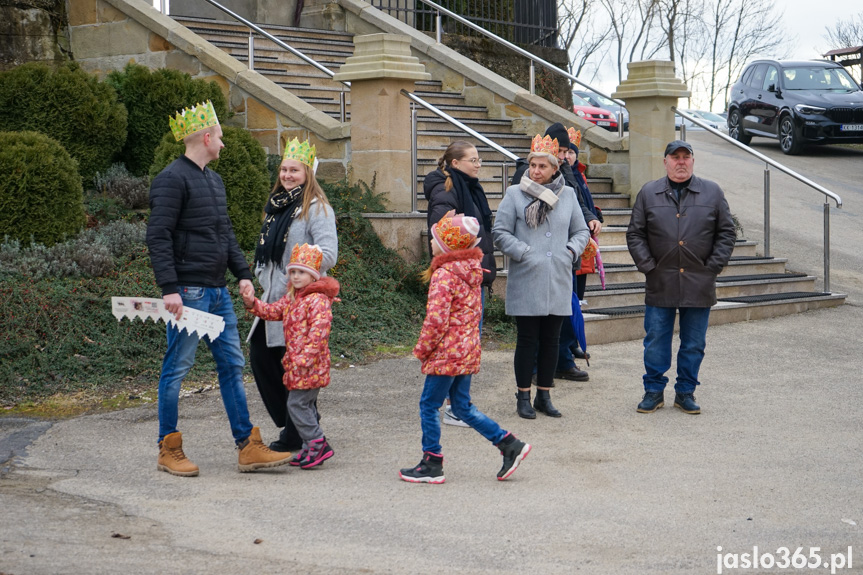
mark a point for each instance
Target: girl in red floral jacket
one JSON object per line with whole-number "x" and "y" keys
{"x": 306, "y": 314}
{"x": 449, "y": 348}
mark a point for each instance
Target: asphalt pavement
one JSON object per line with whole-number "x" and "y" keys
{"x": 774, "y": 461}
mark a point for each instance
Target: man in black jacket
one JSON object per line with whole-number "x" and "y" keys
{"x": 680, "y": 235}
{"x": 192, "y": 243}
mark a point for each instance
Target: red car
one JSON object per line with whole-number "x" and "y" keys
{"x": 599, "y": 116}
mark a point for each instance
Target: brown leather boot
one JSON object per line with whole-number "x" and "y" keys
{"x": 172, "y": 459}
{"x": 255, "y": 455}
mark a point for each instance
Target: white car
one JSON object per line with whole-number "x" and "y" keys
{"x": 710, "y": 121}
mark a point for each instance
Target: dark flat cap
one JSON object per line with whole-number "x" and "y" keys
{"x": 676, "y": 145}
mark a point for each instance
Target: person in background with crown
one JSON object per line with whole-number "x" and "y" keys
{"x": 192, "y": 244}
{"x": 297, "y": 212}
{"x": 305, "y": 312}
{"x": 449, "y": 348}
{"x": 573, "y": 173}
{"x": 541, "y": 228}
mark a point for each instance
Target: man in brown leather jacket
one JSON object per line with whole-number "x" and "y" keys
{"x": 681, "y": 235}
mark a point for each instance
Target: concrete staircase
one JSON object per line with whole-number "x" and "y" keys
{"x": 751, "y": 287}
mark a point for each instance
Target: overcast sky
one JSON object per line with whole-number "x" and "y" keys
{"x": 807, "y": 19}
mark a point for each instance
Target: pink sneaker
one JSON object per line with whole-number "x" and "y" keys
{"x": 318, "y": 452}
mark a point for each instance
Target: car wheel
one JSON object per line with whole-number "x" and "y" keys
{"x": 789, "y": 138}
{"x": 735, "y": 130}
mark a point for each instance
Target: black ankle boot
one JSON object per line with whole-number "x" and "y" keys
{"x": 543, "y": 403}
{"x": 523, "y": 407}
{"x": 287, "y": 441}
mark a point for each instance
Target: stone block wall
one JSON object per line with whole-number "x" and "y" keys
{"x": 32, "y": 31}
{"x": 104, "y": 38}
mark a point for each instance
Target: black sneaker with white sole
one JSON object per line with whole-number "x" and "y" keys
{"x": 429, "y": 470}
{"x": 513, "y": 451}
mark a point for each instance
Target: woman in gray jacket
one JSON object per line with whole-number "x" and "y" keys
{"x": 297, "y": 212}
{"x": 541, "y": 229}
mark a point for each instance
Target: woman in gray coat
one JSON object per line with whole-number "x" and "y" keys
{"x": 541, "y": 229}
{"x": 297, "y": 212}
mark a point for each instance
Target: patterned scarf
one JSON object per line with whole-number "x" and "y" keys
{"x": 545, "y": 197}
{"x": 281, "y": 209}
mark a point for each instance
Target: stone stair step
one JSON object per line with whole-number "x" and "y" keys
{"x": 615, "y": 216}
{"x": 229, "y": 27}
{"x": 738, "y": 265}
{"x": 284, "y": 63}
{"x": 481, "y": 125}
{"x": 264, "y": 47}
{"x": 628, "y": 323}
{"x": 623, "y": 295}
{"x": 619, "y": 253}
{"x": 603, "y": 197}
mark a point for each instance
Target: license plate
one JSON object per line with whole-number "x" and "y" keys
{"x": 609, "y": 123}
{"x": 851, "y": 127}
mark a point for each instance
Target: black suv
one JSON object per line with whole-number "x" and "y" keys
{"x": 798, "y": 103}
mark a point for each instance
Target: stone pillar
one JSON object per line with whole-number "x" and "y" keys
{"x": 381, "y": 66}
{"x": 650, "y": 90}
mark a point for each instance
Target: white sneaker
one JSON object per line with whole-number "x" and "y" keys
{"x": 449, "y": 418}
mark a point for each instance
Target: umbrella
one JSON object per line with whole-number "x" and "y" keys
{"x": 599, "y": 267}
{"x": 577, "y": 320}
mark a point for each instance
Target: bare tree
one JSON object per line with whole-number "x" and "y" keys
{"x": 683, "y": 27}
{"x": 630, "y": 22}
{"x": 753, "y": 29}
{"x": 846, "y": 33}
{"x": 580, "y": 36}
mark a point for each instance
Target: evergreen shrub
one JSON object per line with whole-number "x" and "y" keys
{"x": 69, "y": 105}
{"x": 151, "y": 97}
{"x": 41, "y": 197}
{"x": 242, "y": 164}
{"x": 117, "y": 183}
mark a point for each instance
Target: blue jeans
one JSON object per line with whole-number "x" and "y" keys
{"x": 659, "y": 328}
{"x": 180, "y": 356}
{"x": 567, "y": 343}
{"x": 435, "y": 391}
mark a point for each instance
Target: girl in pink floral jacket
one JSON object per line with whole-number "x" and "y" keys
{"x": 449, "y": 348}
{"x": 306, "y": 314}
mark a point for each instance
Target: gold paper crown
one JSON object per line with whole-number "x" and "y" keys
{"x": 574, "y": 136}
{"x": 304, "y": 153}
{"x": 456, "y": 232}
{"x": 193, "y": 119}
{"x": 544, "y": 145}
{"x": 308, "y": 258}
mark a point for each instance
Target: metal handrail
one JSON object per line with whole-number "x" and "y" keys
{"x": 828, "y": 195}
{"x": 163, "y": 7}
{"x": 534, "y": 59}
{"x": 416, "y": 100}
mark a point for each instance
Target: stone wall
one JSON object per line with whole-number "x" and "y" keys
{"x": 552, "y": 87}
{"x": 32, "y": 31}
{"x": 279, "y": 12}
{"x": 104, "y": 38}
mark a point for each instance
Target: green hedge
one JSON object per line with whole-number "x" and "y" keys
{"x": 57, "y": 335}
{"x": 151, "y": 97}
{"x": 68, "y": 104}
{"x": 243, "y": 167}
{"x": 41, "y": 196}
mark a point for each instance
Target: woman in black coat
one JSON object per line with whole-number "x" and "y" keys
{"x": 454, "y": 186}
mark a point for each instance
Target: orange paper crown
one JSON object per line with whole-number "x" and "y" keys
{"x": 544, "y": 145}
{"x": 456, "y": 232}
{"x": 307, "y": 258}
{"x": 574, "y": 136}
